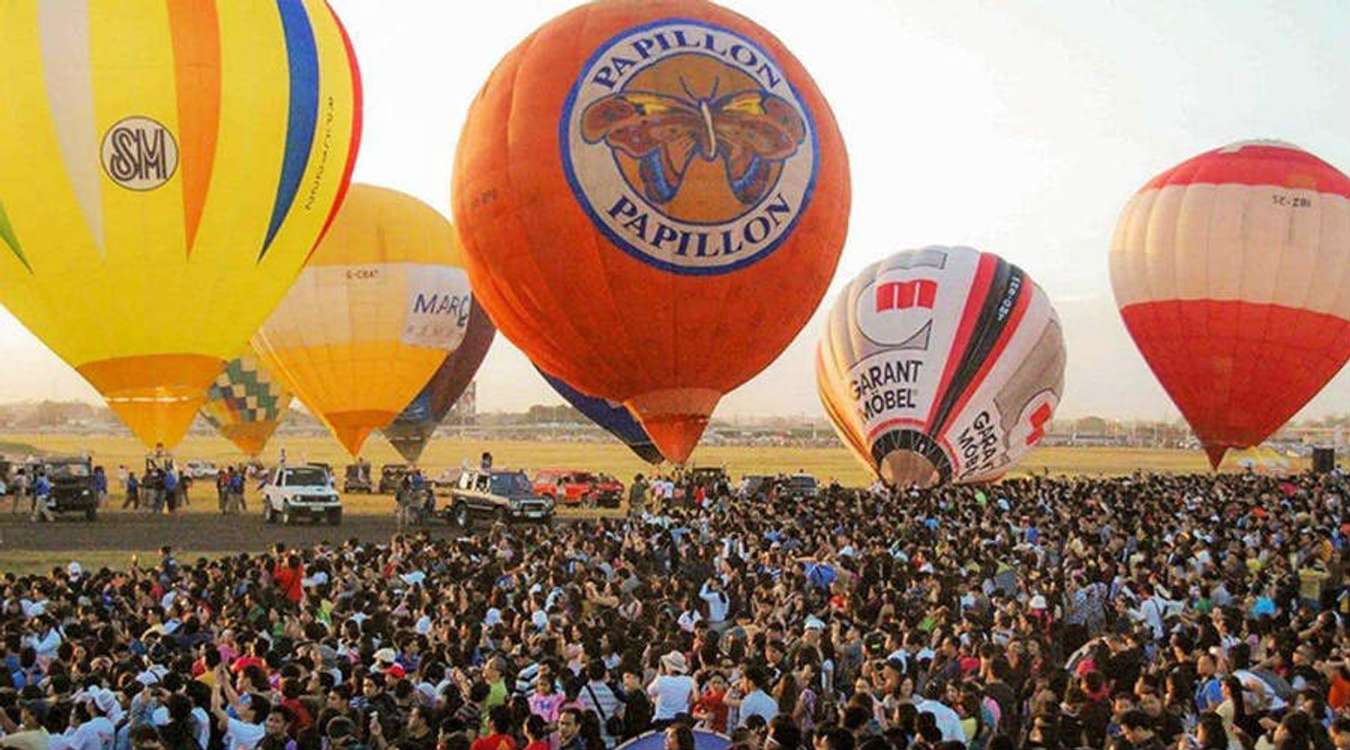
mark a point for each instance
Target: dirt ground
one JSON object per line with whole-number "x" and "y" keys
{"x": 206, "y": 532}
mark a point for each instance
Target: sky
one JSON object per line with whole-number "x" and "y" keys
{"x": 1019, "y": 128}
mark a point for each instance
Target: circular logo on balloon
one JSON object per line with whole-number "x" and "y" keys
{"x": 139, "y": 153}
{"x": 688, "y": 146}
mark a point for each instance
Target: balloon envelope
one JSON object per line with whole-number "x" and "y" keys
{"x": 371, "y": 317}
{"x": 165, "y": 167}
{"x": 412, "y": 428}
{"x": 246, "y": 403}
{"x": 613, "y": 417}
{"x": 653, "y": 228}
{"x": 1231, "y": 273}
{"x": 941, "y": 364}
{"x": 703, "y": 740}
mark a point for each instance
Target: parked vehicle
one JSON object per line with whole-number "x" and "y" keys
{"x": 357, "y": 479}
{"x": 72, "y": 481}
{"x": 391, "y": 476}
{"x": 753, "y": 485}
{"x": 500, "y": 494}
{"x": 800, "y": 487}
{"x": 445, "y": 482}
{"x": 200, "y": 469}
{"x": 294, "y": 492}
{"x": 568, "y": 487}
{"x": 708, "y": 476}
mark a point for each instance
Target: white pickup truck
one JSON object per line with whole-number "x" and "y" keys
{"x": 293, "y": 492}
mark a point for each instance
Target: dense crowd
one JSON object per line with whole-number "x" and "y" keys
{"x": 1139, "y": 613}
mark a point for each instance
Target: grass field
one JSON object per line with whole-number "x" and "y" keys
{"x": 613, "y": 458}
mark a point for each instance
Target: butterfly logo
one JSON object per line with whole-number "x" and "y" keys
{"x": 751, "y": 131}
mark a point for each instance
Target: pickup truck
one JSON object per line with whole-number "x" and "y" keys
{"x": 578, "y": 487}
{"x": 294, "y": 492}
{"x": 499, "y": 494}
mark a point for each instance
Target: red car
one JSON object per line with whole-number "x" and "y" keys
{"x": 568, "y": 487}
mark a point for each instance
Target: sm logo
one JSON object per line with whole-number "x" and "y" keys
{"x": 901, "y": 295}
{"x": 139, "y": 153}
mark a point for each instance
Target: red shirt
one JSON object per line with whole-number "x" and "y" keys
{"x": 302, "y": 718}
{"x": 713, "y": 704}
{"x": 288, "y": 580}
{"x": 244, "y": 661}
{"x": 494, "y": 742}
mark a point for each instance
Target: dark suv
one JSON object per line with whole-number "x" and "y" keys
{"x": 357, "y": 479}
{"x": 391, "y": 476}
{"x": 73, "y": 488}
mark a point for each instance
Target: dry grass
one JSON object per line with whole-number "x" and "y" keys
{"x": 611, "y": 458}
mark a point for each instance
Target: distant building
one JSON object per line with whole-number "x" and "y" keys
{"x": 465, "y": 410}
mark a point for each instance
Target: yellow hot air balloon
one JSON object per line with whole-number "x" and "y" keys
{"x": 246, "y": 403}
{"x": 165, "y": 167}
{"x": 372, "y": 316}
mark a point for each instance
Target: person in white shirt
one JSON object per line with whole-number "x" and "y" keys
{"x": 46, "y": 639}
{"x": 948, "y": 721}
{"x": 756, "y": 702}
{"x": 29, "y": 734}
{"x": 672, "y": 691}
{"x": 718, "y": 603}
{"x": 96, "y": 731}
{"x": 245, "y": 731}
{"x": 597, "y": 696}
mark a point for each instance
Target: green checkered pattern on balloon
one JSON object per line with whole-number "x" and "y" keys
{"x": 248, "y": 391}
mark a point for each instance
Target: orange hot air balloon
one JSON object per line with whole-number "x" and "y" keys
{"x": 652, "y": 199}
{"x": 1229, "y": 272}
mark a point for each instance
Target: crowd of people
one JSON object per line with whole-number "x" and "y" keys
{"x": 1189, "y": 612}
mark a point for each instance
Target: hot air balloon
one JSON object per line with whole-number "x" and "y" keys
{"x": 165, "y": 168}
{"x": 614, "y": 418}
{"x": 1230, "y": 273}
{"x": 246, "y": 404}
{"x": 372, "y": 316}
{"x": 652, "y": 199}
{"x": 412, "y": 428}
{"x": 941, "y": 365}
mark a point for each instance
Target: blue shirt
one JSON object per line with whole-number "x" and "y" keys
{"x": 1209, "y": 695}
{"x": 758, "y": 703}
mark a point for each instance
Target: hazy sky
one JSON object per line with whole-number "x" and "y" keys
{"x": 1016, "y": 127}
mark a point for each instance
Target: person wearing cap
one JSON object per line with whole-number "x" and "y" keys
{"x": 29, "y": 733}
{"x": 673, "y": 691}
{"x": 95, "y": 730}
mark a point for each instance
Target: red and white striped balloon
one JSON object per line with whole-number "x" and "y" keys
{"x": 1232, "y": 273}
